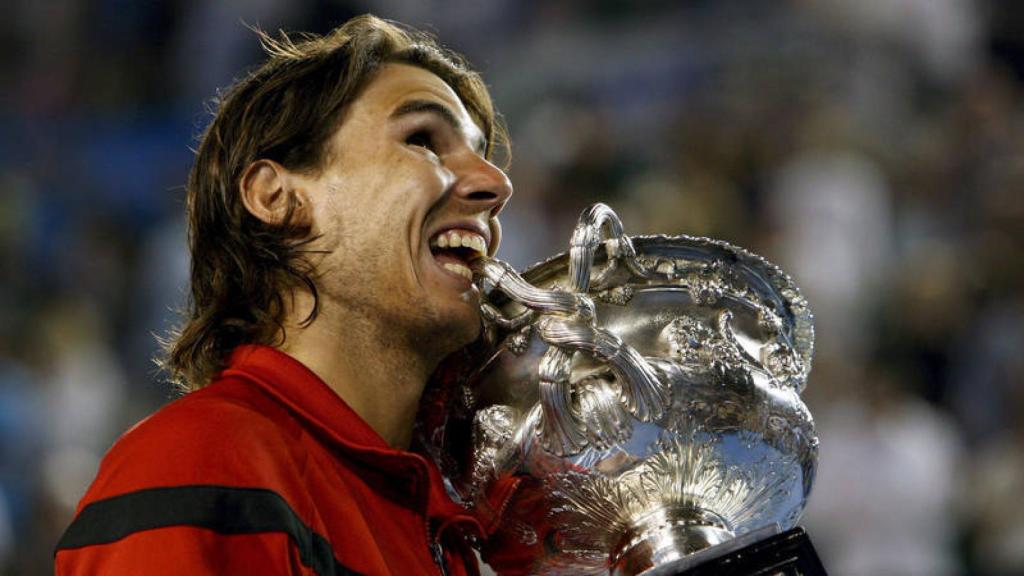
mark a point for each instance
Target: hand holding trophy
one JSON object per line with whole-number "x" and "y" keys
{"x": 644, "y": 396}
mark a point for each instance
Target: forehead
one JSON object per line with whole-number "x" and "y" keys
{"x": 396, "y": 84}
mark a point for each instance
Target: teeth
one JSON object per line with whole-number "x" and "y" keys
{"x": 459, "y": 269}
{"x": 460, "y": 239}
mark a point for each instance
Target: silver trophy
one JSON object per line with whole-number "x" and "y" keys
{"x": 645, "y": 393}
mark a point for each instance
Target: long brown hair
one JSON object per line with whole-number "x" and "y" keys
{"x": 285, "y": 110}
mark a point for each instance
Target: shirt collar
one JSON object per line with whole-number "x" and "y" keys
{"x": 294, "y": 385}
{"x": 301, "y": 390}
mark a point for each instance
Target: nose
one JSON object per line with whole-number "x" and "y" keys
{"x": 480, "y": 186}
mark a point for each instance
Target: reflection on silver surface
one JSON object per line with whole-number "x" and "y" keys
{"x": 649, "y": 388}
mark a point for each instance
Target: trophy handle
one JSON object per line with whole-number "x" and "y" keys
{"x": 566, "y": 323}
{"x": 644, "y": 395}
{"x": 588, "y": 237}
{"x": 561, "y": 430}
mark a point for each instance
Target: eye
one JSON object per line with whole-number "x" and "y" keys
{"x": 421, "y": 138}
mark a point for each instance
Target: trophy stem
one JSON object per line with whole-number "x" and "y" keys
{"x": 665, "y": 536}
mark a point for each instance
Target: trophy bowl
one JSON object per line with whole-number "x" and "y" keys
{"x": 642, "y": 394}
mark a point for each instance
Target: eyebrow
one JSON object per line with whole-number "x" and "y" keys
{"x": 440, "y": 110}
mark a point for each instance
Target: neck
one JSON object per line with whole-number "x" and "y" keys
{"x": 378, "y": 374}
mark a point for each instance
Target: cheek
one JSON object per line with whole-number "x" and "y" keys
{"x": 376, "y": 197}
{"x": 412, "y": 190}
{"x": 424, "y": 175}
{"x": 348, "y": 197}
{"x": 422, "y": 168}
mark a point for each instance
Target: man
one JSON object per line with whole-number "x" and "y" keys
{"x": 335, "y": 203}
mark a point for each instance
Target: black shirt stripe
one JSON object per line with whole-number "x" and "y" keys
{"x": 223, "y": 509}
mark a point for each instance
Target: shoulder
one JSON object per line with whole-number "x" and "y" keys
{"x": 213, "y": 481}
{"x": 227, "y": 434}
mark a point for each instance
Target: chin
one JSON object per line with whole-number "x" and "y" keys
{"x": 464, "y": 328}
{"x": 456, "y": 328}
{"x": 448, "y": 320}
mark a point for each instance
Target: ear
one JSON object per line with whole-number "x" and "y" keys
{"x": 268, "y": 193}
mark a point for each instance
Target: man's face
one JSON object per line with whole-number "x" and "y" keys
{"x": 404, "y": 178}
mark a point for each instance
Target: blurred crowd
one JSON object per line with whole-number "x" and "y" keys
{"x": 873, "y": 149}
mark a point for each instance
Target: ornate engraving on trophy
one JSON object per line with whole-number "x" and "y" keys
{"x": 619, "y": 295}
{"x": 599, "y": 406}
{"x": 492, "y": 430}
{"x": 518, "y": 342}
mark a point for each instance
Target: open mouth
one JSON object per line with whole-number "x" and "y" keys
{"x": 454, "y": 249}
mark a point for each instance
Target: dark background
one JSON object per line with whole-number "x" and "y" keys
{"x": 872, "y": 148}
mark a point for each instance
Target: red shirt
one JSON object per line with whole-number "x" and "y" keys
{"x": 264, "y": 471}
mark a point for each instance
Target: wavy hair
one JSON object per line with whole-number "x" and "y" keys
{"x": 285, "y": 110}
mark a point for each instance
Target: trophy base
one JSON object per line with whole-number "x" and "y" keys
{"x": 658, "y": 541}
{"x": 763, "y": 552}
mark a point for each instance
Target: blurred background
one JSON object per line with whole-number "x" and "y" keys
{"x": 873, "y": 149}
